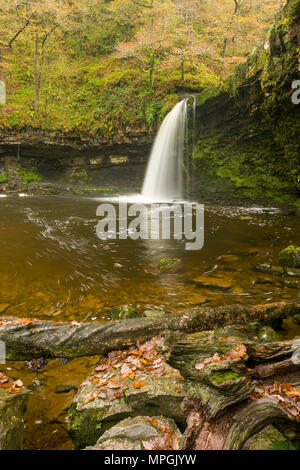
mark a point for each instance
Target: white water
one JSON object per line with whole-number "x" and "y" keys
{"x": 164, "y": 175}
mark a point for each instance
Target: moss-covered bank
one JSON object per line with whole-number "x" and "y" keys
{"x": 248, "y": 132}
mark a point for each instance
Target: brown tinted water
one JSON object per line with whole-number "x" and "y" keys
{"x": 54, "y": 266}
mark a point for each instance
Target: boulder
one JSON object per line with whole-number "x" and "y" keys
{"x": 290, "y": 257}
{"x": 134, "y": 382}
{"x": 141, "y": 433}
{"x": 12, "y": 408}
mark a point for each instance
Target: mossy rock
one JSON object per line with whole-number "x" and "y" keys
{"x": 169, "y": 264}
{"x": 106, "y": 398}
{"x": 12, "y": 409}
{"x": 290, "y": 257}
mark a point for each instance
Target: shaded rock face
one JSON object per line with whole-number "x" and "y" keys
{"x": 141, "y": 433}
{"x": 12, "y": 409}
{"x": 36, "y": 143}
{"x": 126, "y": 384}
{"x": 248, "y": 135}
{"x": 116, "y": 168}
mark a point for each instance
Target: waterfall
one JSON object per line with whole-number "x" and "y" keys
{"x": 164, "y": 175}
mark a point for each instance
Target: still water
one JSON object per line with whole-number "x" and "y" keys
{"x": 54, "y": 266}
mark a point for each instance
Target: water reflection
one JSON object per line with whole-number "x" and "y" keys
{"x": 54, "y": 266}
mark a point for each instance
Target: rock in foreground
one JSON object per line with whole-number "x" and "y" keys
{"x": 134, "y": 382}
{"x": 12, "y": 407}
{"x": 141, "y": 433}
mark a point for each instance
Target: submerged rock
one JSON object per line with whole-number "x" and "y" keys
{"x": 135, "y": 382}
{"x": 290, "y": 257}
{"x": 141, "y": 433}
{"x": 124, "y": 311}
{"x": 12, "y": 409}
{"x": 212, "y": 282}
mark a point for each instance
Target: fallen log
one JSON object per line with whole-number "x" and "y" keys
{"x": 31, "y": 338}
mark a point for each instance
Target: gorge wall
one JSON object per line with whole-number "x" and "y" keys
{"x": 248, "y": 142}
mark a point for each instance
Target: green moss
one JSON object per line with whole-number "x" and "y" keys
{"x": 249, "y": 150}
{"x": 166, "y": 264}
{"x": 85, "y": 426}
{"x": 30, "y": 175}
{"x": 3, "y": 178}
{"x": 284, "y": 444}
{"x": 224, "y": 376}
{"x": 290, "y": 257}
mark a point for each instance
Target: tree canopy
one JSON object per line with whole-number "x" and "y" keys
{"x": 106, "y": 65}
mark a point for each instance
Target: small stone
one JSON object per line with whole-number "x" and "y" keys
{"x": 293, "y": 272}
{"x": 267, "y": 268}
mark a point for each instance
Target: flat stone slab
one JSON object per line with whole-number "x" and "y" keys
{"x": 134, "y": 382}
{"x": 141, "y": 433}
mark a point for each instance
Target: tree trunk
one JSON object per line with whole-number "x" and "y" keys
{"x": 182, "y": 68}
{"x": 39, "y": 75}
{"x": 29, "y": 338}
{"x": 151, "y": 77}
{"x": 36, "y": 79}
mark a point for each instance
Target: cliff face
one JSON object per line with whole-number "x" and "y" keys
{"x": 248, "y": 133}
{"x": 68, "y": 158}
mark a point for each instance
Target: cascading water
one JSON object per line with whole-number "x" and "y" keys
{"x": 164, "y": 176}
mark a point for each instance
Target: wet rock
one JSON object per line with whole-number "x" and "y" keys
{"x": 140, "y": 433}
{"x": 290, "y": 257}
{"x": 293, "y": 272}
{"x": 251, "y": 332}
{"x": 65, "y": 388}
{"x": 12, "y": 409}
{"x": 135, "y": 382}
{"x": 37, "y": 364}
{"x": 267, "y": 268}
{"x": 154, "y": 313}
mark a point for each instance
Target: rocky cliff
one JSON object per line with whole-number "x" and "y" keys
{"x": 248, "y": 132}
